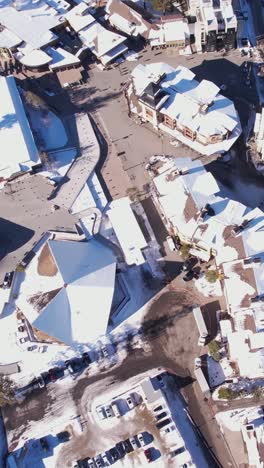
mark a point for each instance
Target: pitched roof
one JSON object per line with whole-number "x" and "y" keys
{"x": 72, "y": 298}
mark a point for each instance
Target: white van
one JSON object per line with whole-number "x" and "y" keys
{"x": 115, "y": 409}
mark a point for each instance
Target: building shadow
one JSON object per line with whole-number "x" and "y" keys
{"x": 12, "y": 236}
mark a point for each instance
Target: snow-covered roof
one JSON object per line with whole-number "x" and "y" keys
{"x": 79, "y": 17}
{"x": 197, "y": 106}
{"x": 19, "y": 151}
{"x": 68, "y": 290}
{"x": 61, "y": 58}
{"x": 127, "y": 20}
{"x": 31, "y": 22}
{"x": 9, "y": 39}
{"x": 127, "y": 230}
{"x": 250, "y": 363}
{"x": 175, "y": 31}
{"x": 103, "y": 43}
{"x": 257, "y": 340}
{"x": 34, "y": 58}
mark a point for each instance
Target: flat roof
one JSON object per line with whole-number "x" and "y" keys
{"x": 31, "y": 23}
{"x": 127, "y": 230}
{"x": 61, "y": 58}
{"x": 19, "y": 151}
{"x": 35, "y": 58}
{"x": 79, "y": 17}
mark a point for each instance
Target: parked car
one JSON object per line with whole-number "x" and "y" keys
{"x": 141, "y": 440}
{"x": 168, "y": 429}
{"x": 73, "y": 365}
{"x": 128, "y": 446}
{"x": 189, "y": 276}
{"x": 86, "y": 359}
{"x": 8, "y": 280}
{"x": 115, "y": 409}
{"x": 85, "y": 462}
{"x": 120, "y": 449}
{"x": 40, "y": 381}
{"x": 130, "y": 402}
{"x": 158, "y": 408}
{"x": 163, "y": 423}
{"x": 161, "y": 415}
{"x": 98, "y": 461}
{"x": 55, "y": 373}
{"x": 104, "y": 351}
{"x": 114, "y": 454}
{"x": 105, "y": 459}
{"x": 197, "y": 362}
{"x": 44, "y": 444}
{"x": 63, "y": 436}
{"x": 160, "y": 380}
{"x": 133, "y": 442}
{"x": 101, "y": 412}
{"x": 108, "y": 411}
{"x": 148, "y": 455}
{"x": 24, "y": 339}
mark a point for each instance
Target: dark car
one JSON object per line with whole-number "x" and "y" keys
{"x": 8, "y": 279}
{"x": 161, "y": 416}
{"x": 127, "y": 445}
{"x": 44, "y": 444}
{"x": 163, "y": 423}
{"x": 55, "y": 373}
{"x": 63, "y": 436}
{"x": 86, "y": 359}
{"x": 83, "y": 463}
{"x": 148, "y": 454}
{"x": 114, "y": 454}
{"x": 121, "y": 449}
{"x": 189, "y": 275}
{"x": 74, "y": 365}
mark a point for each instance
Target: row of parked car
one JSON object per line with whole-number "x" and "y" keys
{"x": 113, "y": 409}
{"x": 73, "y": 366}
{"x": 116, "y": 453}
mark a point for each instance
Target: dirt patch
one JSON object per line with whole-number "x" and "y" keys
{"x": 46, "y": 263}
{"x": 190, "y": 209}
{"x": 40, "y": 300}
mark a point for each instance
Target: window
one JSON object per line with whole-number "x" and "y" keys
{"x": 149, "y": 113}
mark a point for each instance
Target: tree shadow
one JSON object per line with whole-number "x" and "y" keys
{"x": 7, "y": 121}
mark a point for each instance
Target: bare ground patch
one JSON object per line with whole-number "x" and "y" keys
{"x": 46, "y": 263}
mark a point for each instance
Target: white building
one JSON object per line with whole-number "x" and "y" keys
{"x": 127, "y": 230}
{"x": 68, "y": 290}
{"x": 216, "y": 24}
{"x": 172, "y": 101}
{"x": 18, "y": 149}
{"x": 29, "y": 27}
{"x": 104, "y": 44}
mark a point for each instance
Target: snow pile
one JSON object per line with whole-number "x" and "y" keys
{"x": 208, "y": 289}
{"x": 49, "y": 130}
{"x": 131, "y": 56}
{"x": 58, "y": 164}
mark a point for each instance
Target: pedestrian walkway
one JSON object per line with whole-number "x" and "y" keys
{"x": 83, "y": 166}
